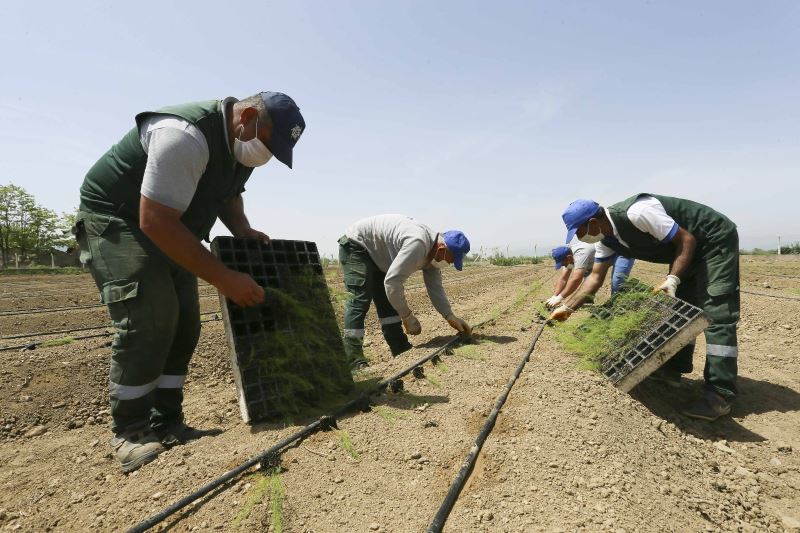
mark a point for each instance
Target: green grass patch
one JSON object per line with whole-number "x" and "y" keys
{"x": 347, "y": 444}
{"x": 277, "y": 496}
{"x": 389, "y": 415}
{"x": 469, "y": 351}
{"x": 442, "y": 367}
{"x": 500, "y": 260}
{"x": 257, "y": 494}
{"x": 433, "y": 381}
{"x": 57, "y": 342}
{"x": 523, "y": 294}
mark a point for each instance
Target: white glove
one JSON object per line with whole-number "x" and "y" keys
{"x": 670, "y": 285}
{"x": 412, "y": 325}
{"x": 554, "y": 301}
{"x": 459, "y": 324}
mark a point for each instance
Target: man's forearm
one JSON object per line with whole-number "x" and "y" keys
{"x": 589, "y": 288}
{"x": 561, "y": 282}
{"x": 573, "y": 283}
{"x": 180, "y": 245}
{"x": 685, "y": 244}
{"x": 232, "y": 215}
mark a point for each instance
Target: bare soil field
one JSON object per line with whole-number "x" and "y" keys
{"x": 569, "y": 452}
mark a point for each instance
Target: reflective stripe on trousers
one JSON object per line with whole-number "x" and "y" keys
{"x": 354, "y": 334}
{"x": 720, "y": 350}
{"x": 131, "y": 392}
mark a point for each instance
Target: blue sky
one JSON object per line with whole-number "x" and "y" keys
{"x": 487, "y": 117}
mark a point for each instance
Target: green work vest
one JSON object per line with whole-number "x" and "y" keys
{"x": 711, "y": 229}
{"x": 112, "y": 185}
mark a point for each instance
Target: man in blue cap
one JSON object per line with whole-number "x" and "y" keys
{"x": 378, "y": 254}
{"x": 701, "y": 247}
{"x": 145, "y": 206}
{"x": 576, "y": 262}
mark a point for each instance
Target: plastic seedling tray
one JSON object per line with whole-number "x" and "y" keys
{"x": 286, "y": 354}
{"x": 670, "y": 325}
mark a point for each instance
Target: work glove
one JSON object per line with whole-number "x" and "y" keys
{"x": 561, "y": 313}
{"x": 669, "y": 286}
{"x": 412, "y": 325}
{"x": 554, "y": 301}
{"x": 459, "y": 324}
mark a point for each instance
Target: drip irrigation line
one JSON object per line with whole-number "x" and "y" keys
{"x": 68, "y": 308}
{"x": 54, "y": 332}
{"x": 771, "y": 295}
{"x": 34, "y": 345}
{"x": 469, "y": 463}
{"x": 271, "y": 455}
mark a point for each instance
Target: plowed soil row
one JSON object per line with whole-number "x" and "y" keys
{"x": 570, "y": 452}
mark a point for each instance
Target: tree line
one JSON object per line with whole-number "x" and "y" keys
{"x": 29, "y": 230}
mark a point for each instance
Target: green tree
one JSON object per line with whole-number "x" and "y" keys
{"x": 28, "y": 228}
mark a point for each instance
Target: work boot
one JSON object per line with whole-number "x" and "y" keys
{"x": 710, "y": 408}
{"x": 400, "y": 348}
{"x": 358, "y": 365}
{"x": 136, "y": 447}
{"x": 179, "y": 433}
{"x": 670, "y": 378}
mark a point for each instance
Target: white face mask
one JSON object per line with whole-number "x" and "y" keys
{"x": 252, "y": 153}
{"x": 591, "y": 239}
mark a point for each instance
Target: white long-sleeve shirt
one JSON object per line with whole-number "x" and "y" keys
{"x": 399, "y": 245}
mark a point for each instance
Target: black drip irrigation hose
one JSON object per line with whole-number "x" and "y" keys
{"x": 68, "y": 308}
{"x": 72, "y": 330}
{"x": 469, "y": 463}
{"x": 270, "y": 456}
{"x": 771, "y": 295}
{"x": 34, "y": 345}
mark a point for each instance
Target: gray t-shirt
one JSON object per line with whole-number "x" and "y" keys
{"x": 399, "y": 245}
{"x": 177, "y": 156}
{"x": 582, "y": 254}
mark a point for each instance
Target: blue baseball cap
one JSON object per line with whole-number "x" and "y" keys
{"x": 287, "y": 125}
{"x": 458, "y": 244}
{"x": 577, "y": 214}
{"x": 560, "y": 254}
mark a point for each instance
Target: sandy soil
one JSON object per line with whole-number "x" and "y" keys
{"x": 569, "y": 452}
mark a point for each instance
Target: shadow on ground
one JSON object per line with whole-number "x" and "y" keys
{"x": 441, "y": 340}
{"x": 755, "y": 397}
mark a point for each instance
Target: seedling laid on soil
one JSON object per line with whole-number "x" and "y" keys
{"x": 347, "y": 444}
{"x": 254, "y": 498}
{"x": 57, "y": 342}
{"x": 389, "y": 415}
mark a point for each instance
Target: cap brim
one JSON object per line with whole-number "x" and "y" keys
{"x": 570, "y": 234}
{"x": 282, "y": 152}
{"x": 458, "y": 261}
{"x": 559, "y": 264}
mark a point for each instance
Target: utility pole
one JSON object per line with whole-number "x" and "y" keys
{"x": 779, "y": 245}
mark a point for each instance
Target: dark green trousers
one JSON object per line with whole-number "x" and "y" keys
{"x": 364, "y": 282}
{"x": 155, "y": 310}
{"x": 712, "y": 284}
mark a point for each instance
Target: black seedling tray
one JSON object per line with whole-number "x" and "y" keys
{"x": 287, "y": 353}
{"x": 682, "y": 322}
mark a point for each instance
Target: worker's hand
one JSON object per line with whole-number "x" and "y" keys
{"x": 459, "y": 325}
{"x": 561, "y": 313}
{"x": 412, "y": 325}
{"x": 669, "y": 286}
{"x": 241, "y": 288}
{"x": 251, "y": 233}
{"x": 554, "y": 301}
